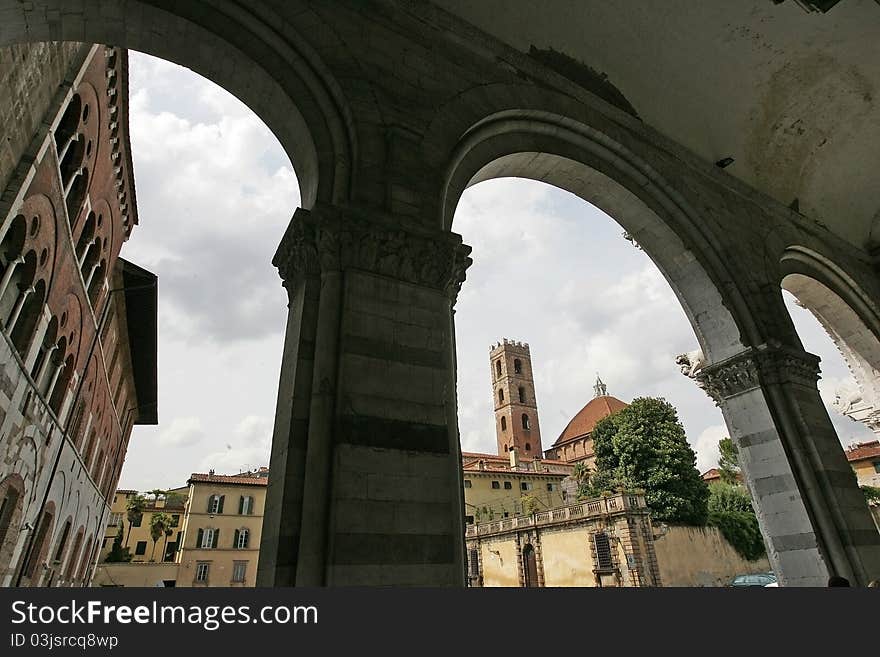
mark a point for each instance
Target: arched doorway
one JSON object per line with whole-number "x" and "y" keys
{"x": 530, "y": 566}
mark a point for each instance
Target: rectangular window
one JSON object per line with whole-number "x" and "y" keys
{"x": 140, "y": 548}
{"x": 469, "y": 520}
{"x": 467, "y": 483}
{"x": 238, "y": 571}
{"x": 114, "y": 519}
{"x": 137, "y": 521}
{"x": 508, "y": 485}
{"x": 496, "y": 485}
{"x": 209, "y": 538}
{"x": 175, "y": 520}
{"x": 525, "y": 486}
{"x": 202, "y": 568}
{"x": 550, "y": 487}
{"x": 877, "y": 467}
{"x": 603, "y": 551}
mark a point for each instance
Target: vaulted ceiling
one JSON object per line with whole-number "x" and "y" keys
{"x": 790, "y": 95}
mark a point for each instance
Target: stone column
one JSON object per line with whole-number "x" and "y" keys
{"x": 375, "y": 458}
{"x": 279, "y": 546}
{"x": 812, "y": 514}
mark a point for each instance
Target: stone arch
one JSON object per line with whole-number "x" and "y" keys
{"x": 590, "y": 164}
{"x": 850, "y": 318}
{"x": 275, "y": 73}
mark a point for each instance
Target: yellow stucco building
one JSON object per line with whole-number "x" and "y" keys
{"x": 217, "y": 521}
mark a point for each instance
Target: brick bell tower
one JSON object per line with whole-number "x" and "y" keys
{"x": 516, "y": 409}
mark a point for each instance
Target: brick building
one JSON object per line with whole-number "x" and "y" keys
{"x": 78, "y": 323}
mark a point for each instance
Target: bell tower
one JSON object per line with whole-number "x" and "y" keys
{"x": 516, "y": 409}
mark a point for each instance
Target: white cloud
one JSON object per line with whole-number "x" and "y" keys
{"x": 248, "y": 448}
{"x": 182, "y": 432}
{"x": 706, "y": 446}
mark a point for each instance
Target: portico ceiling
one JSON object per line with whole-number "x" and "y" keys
{"x": 790, "y": 95}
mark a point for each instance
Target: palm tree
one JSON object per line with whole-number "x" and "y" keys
{"x": 134, "y": 511}
{"x": 168, "y": 532}
{"x": 159, "y": 523}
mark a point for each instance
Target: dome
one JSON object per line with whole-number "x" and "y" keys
{"x": 585, "y": 420}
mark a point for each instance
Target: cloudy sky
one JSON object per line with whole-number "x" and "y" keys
{"x": 215, "y": 194}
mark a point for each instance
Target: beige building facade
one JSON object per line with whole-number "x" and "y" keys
{"x": 221, "y": 532}
{"x": 607, "y": 542}
{"x": 215, "y": 539}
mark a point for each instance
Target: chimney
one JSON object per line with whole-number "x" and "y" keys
{"x": 514, "y": 459}
{"x": 536, "y": 463}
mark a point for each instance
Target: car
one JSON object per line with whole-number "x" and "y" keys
{"x": 754, "y": 579}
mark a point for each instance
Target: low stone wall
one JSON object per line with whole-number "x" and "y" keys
{"x": 134, "y": 574}
{"x": 700, "y": 556}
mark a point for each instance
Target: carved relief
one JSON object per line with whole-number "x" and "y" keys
{"x": 764, "y": 365}
{"x": 326, "y": 240}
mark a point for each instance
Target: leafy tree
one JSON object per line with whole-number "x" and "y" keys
{"x": 134, "y": 511}
{"x": 530, "y": 504}
{"x": 730, "y": 509}
{"x": 872, "y": 493}
{"x": 117, "y": 552}
{"x": 643, "y": 446}
{"x": 159, "y": 523}
{"x": 728, "y": 463}
{"x": 156, "y": 493}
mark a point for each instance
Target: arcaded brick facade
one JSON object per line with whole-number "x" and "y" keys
{"x": 72, "y": 380}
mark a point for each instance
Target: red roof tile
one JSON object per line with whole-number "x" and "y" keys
{"x": 231, "y": 480}
{"x": 585, "y": 420}
{"x": 861, "y": 451}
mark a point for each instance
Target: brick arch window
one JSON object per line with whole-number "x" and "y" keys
{"x": 40, "y": 546}
{"x": 11, "y": 260}
{"x": 44, "y": 352}
{"x": 11, "y": 509}
{"x": 59, "y": 392}
{"x": 528, "y": 447}
{"x": 522, "y": 395}
{"x": 498, "y": 367}
{"x": 84, "y": 561}
{"x": 76, "y": 193}
{"x": 58, "y": 555}
{"x": 504, "y": 424}
{"x": 517, "y": 366}
{"x": 525, "y": 422}
{"x": 74, "y": 553}
{"x": 96, "y": 282}
{"x": 22, "y": 325}
{"x": 500, "y": 394}
{"x": 67, "y": 127}
{"x": 86, "y": 236}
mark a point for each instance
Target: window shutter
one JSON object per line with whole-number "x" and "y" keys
{"x": 250, "y": 506}
{"x": 220, "y": 508}
{"x": 210, "y": 503}
{"x": 241, "y": 504}
{"x": 199, "y": 538}
{"x": 247, "y": 538}
{"x": 235, "y": 539}
{"x": 216, "y": 535}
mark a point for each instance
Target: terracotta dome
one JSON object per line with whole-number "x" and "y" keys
{"x": 589, "y": 415}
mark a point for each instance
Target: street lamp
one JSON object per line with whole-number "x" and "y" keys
{"x": 99, "y": 328}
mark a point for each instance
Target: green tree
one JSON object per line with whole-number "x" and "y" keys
{"x": 730, "y": 510}
{"x": 643, "y": 446}
{"x": 728, "y": 463}
{"x": 117, "y": 552}
{"x": 159, "y": 523}
{"x": 872, "y": 493}
{"x": 134, "y": 511}
{"x": 530, "y": 504}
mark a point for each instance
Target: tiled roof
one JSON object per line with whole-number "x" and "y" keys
{"x": 861, "y": 451}
{"x": 711, "y": 475}
{"x": 232, "y": 480}
{"x": 125, "y": 491}
{"x": 585, "y": 420}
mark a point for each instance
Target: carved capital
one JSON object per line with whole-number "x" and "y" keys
{"x": 757, "y": 366}
{"x": 333, "y": 239}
